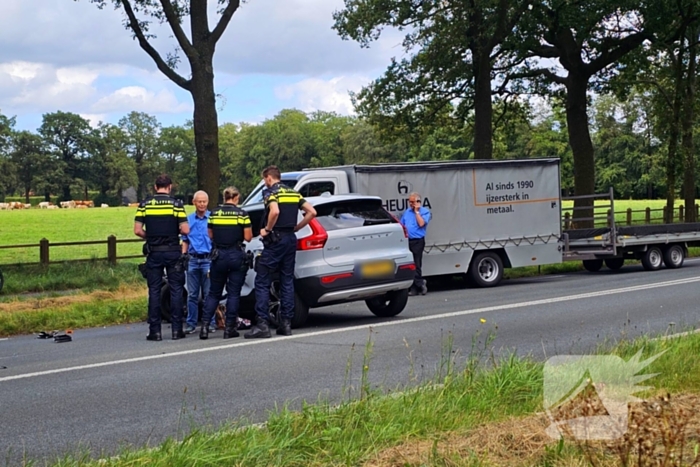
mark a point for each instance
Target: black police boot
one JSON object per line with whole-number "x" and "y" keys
{"x": 204, "y": 332}
{"x": 259, "y": 331}
{"x": 231, "y": 331}
{"x": 178, "y": 334}
{"x": 154, "y": 336}
{"x": 285, "y": 327}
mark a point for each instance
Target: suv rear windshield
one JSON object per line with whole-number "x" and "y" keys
{"x": 352, "y": 213}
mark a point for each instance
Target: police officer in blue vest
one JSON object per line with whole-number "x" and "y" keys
{"x": 229, "y": 226}
{"x": 160, "y": 220}
{"x": 282, "y": 205}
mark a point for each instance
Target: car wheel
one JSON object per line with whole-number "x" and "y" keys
{"x": 652, "y": 259}
{"x": 486, "y": 269}
{"x": 614, "y": 264}
{"x": 673, "y": 257}
{"x": 592, "y": 265}
{"x": 387, "y": 305}
{"x": 301, "y": 310}
{"x": 165, "y": 312}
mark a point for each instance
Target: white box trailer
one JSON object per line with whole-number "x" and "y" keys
{"x": 486, "y": 215}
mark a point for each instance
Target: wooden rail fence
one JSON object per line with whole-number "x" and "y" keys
{"x": 45, "y": 250}
{"x": 607, "y": 218}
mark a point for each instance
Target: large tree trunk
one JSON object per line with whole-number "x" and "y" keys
{"x": 66, "y": 193}
{"x": 581, "y": 147}
{"x": 687, "y": 143}
{"x": 483, "y": 109}
{"x": 206, "y": 129}
{"x": 27, "y": 189}
{"x": 673, "y": 136}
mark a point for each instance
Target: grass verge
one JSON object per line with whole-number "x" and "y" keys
{"x": 84, "y": 277}
{"x": 73, "y": 312}
{"x": 477, "y": 415}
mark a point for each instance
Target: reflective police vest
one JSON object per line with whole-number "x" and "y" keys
{"x": 227, "y": 223}
{"x": 289, "y": 202}
{"x": 161, "y": 216}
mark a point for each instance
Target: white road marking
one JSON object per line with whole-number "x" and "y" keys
{"x": 453, "y": 314}
{"x": 3, "y": 339}
{"x": 678, "y": 334}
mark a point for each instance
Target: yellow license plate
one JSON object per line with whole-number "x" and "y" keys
{"x": 377, "y": 269}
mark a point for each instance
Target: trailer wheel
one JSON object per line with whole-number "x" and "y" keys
{"x": 592, "y": 265}
{"x": 652, "y": 259}
{"x": 674, "y": 256}
{"x": 486, "y": 269}
{"x": 614, "y": 264}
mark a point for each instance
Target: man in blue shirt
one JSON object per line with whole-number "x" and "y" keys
{"x": 416, "y": 219}
{"x": 197, "y": 245}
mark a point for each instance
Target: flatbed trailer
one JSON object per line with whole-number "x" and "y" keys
{"x": 656, "y": 245}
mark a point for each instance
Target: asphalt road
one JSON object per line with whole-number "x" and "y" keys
{"x": 111, "y": 387}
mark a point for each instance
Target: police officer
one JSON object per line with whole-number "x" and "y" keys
{"x": 282, "y": 205}
{"x": 160, "y": 220}
{"x": 229, "y": 226}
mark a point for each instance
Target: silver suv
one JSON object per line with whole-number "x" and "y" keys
{"x": 353, "y": 250}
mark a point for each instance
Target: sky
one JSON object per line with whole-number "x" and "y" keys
{"x": 69, "y": 55}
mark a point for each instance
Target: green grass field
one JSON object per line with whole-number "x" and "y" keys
{"x": 66, "y": 225}
{"x": 96, "y": 224}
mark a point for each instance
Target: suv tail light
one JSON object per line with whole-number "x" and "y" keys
{"x": 405, "y": 230}
{"x": 316, "y": 240}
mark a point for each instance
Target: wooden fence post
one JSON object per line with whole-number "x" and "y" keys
{"x": 667, "y": 219}
{"x": 567, "y": 221}
{"x": 681, "y": 213}
{"x": 697, "y": 211}
{"x": 112, "y": 250}
{"x": 647, "y": 215}
{"x": 629, "y": 216}
{"x": 44, "y": 252}
{"x": 609, "y": 218}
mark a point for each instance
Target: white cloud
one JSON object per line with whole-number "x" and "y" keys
{"x": 319, "y": 94}
{"x": 140, "y": 99}
{"x": 27, "y": 85}
{"x": 94, "y": 119}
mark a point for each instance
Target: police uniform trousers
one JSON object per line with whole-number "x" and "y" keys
{"x": 226, "y": 270}
{"x": 155, "y": 263}
{"x": 417, "y": 245}
{"x": 280, "y": 256}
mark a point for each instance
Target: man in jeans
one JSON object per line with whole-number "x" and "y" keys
{"x": 197, "y": 245}
{"x": 416, "y": 219}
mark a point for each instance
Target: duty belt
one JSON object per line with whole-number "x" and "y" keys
{"x": 164, "y": 247}
{"x": 237, "y": 246}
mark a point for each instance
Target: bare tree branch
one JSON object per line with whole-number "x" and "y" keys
{"x": 153, "y": 53}
{"x": 176, "y": 26}
{"x": 224, "y": 20}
